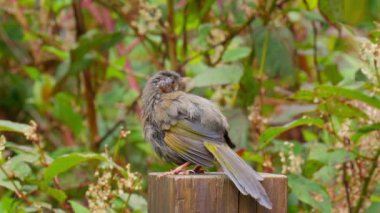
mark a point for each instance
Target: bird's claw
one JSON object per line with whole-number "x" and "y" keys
{"x": 198, "y": 170}
{"x": 180, "y": 170}
{"x": 174, "y": 172}
{"x": 186, "y": 172}
{"x": 183, "y": 172}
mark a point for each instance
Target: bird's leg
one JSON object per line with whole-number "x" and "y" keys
{"x": 179, "y": 170}
{"x": 198, "y": 170}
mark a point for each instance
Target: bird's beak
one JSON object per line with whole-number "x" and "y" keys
{"x": 185, "y": 80}
{"x": 186, "y": 83}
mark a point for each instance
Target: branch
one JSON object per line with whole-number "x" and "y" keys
{"x": 18, "y": 192}
{"x": 346, "y": 187}
{"x": 315, "y": 41}
{"x": 262, "y": 68}
{"x": 117, "y": 7}
{"x": 110, "y": 131}
{"x": 367, "y": 181}
{"x": 108, "y": 23}
{"x": 225, "y": 43}
{"x": 171, "y": 37}
{"x": 184, "y": 31}
{"x": 86, "y": 75}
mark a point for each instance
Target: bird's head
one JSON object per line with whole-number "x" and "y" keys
{"x": 163, "y": 82}
{"x": 166, "y": 82}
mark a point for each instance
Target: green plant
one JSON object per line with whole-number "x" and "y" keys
{"x": 297, "y": 80}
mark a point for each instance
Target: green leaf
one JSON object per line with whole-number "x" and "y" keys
{"x": 318, "y": 152}
{"x": 94, "y": 40}
{"x": 292, "y": 203}
{"x": 63, "y": 110}
{"x": 313, "y": 16}
{"x": 332, "y": 73}
{"x": 340, "y": 156}
{"x": 248, "y": 88}
{"x": 279, "y": 60}
{"x": 130, "y": 97}
{"x": 342, "y": 110}
{"x": 66, "y": 162}
{"x": 252, "y": 157}
{"x": 8, "y": 203}
{"x": 375, "y": 198}
{"x": 310, "y": 167}
{"x": 19, "y": 168}
{"x": 136, "y": 202}
{"x": 239, "y": 126}
{"x": 6, "y": 183}
{"x": 32, "y": 72}
{"x": 312, "y": 3}
{"x": 42, "y": 90}
{"x": 57, "y": 6}
{"x": 321, "y": 153}
{"x": 203, "y": 33}
{"x": 60, "y": 53}
{"x": 116, "y": 69}
{"x": 365, "y": 130}
{"x": 328, "y": 91}
{"x": 78, "y": 208}
{"x": 11, "y": 126}
{"x": 309, "y": 135}
{"x": 374, "y": 207}
{"x": 80, "y": 63}
{"x": 272, "y": 132}
{"x": 206, "y": 7}
{"x": 289, "y": 112}
{"x": 374, "y": 7}
{"x": 82, "y": 56}
{"x": 304, "y": 95}
{"x": 57, "y": 194}
{"x": 346, "y": 11}
{"x": 326, "y": 175}
{"x": 310, "y": 192}
{"x": 236, "y": 54}
{"x": 14, "y": 35}
{"x": 225, "y": 74}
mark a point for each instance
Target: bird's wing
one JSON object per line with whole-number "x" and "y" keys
{"x": 189, "y": 121}
{"x": 186, "y": 139}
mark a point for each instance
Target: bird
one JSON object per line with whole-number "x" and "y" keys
{"x": 186, "y": 129}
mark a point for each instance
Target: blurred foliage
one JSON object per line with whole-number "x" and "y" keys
{"x": 298, "y": 81}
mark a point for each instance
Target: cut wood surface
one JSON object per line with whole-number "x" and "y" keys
{"x": 210, "y": 192}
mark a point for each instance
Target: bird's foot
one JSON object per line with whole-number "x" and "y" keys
{"x": 197, "y": 170}
{"x": 180, "y": 170}
{"x": 184, "y": 172}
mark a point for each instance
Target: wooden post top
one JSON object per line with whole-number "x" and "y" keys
{"x": 211, "y": 192}
{"x": 211, "y": 175}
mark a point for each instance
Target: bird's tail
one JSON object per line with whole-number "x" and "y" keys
{"x": 242, "y": 175}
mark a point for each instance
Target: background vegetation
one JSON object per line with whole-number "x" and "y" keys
{"x": 298, "y": 80}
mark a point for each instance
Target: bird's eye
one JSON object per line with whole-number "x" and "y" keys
{"x": 167, "y": 85}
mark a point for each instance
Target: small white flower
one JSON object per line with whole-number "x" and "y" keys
{"x": 370, "y": 55}
{"x": 2, "y": 144}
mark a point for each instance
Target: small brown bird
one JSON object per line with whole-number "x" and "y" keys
{"x": 187, "y": 129}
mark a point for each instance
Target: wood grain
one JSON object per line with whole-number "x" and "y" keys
{"x": 210, "y": 193}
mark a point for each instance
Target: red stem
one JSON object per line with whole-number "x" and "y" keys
{"x": 103, "y": 17}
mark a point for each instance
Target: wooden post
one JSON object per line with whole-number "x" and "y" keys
{"x": 211, "y": 193}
